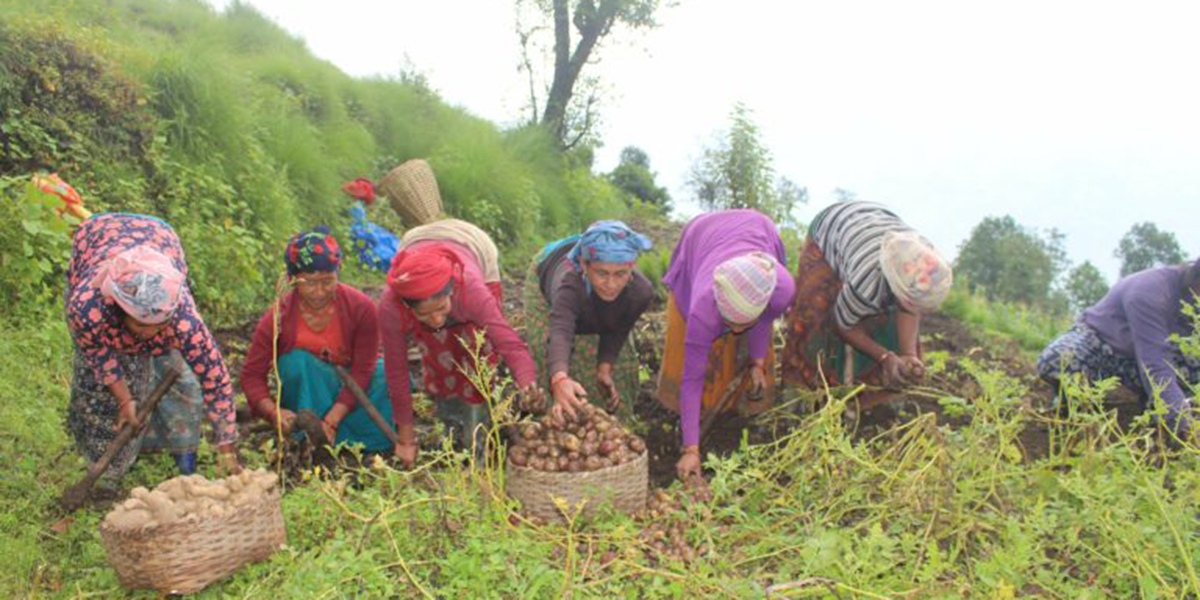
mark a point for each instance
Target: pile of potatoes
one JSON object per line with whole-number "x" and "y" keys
{"x": 665, "y": 533}
{"x": 190, "y": 497}
{"x": 594, "y": 440}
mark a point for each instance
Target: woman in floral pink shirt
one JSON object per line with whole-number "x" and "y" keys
{"x": 131, "y": 317}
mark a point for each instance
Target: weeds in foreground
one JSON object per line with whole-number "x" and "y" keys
{"x": 921, "y": 510}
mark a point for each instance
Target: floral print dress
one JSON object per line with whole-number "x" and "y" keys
{"x": 106, "y": 352}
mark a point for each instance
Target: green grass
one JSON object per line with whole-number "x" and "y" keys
{"x": 226, "y": 126}
{"x": 1030, "y": 328}
{"x": 921, "y": 511}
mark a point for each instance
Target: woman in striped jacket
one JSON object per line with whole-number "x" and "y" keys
{"x": 863, "y": 281}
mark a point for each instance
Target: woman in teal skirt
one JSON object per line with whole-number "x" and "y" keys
{"x": 323, "y": 323}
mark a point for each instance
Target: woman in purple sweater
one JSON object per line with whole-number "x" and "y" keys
{"x": 1127, "y": 335}
{"x": 728, "y": 275}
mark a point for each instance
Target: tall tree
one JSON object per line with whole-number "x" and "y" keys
{"x": 1085, "y": 286}
{"x": 633, "y": 176}
{"x": 592, "y": 21}
{"x": 1008, "y": 262}
{"x": 738, "y": 172}
{"x": 1145, "y": 246}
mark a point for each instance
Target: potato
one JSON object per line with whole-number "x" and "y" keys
{"x": 532, "y": 431}
{"x": 542, "y": 450}
{"x": 575, "y": 466}
{"x": 518, "y": 458}
{"x": 592, "y": 463}
{"x": 637, "y": 444}
{"x": 537, "y": 463}
{"x": 570, "y": 441}
{"x": 128, "y": 519}
{"x": 215, "y": 491}
{"x": 607, "y": 447}
{"x": 270, "y": 479}
{"x": 563, "y": 462}
{"x": 133, "y": 504}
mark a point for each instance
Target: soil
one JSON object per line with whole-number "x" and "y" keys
{"x": 870, "y": 414}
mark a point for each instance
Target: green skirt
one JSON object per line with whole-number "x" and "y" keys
{"x": 311, "y": 383}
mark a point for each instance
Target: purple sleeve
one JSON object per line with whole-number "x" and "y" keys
{"x": 702, "y": 330}
{"x": 1148, "y": 315}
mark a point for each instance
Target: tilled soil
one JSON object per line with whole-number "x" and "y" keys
{"x": 873, "y": 412}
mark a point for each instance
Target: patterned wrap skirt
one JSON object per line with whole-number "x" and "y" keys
{"x": 813, "y": 353}
{"x": 727, "y": 359}
{"x": 175, "y": 425}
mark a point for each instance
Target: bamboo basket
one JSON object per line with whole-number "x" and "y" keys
{"x": 412, "y": 191}
{"x": 624, "y": 486}
{"x": 186, "y": 556}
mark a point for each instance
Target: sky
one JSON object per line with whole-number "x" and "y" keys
{"x": 1078, "y": 115}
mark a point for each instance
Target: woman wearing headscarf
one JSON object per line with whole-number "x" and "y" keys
{"x": 728, "y": 283}
{"x": 132, "y": 317}
{"x": 443, "y": 288}
{"x": 1129, "y": 335}
{"x": 863, "y": 281}
{"x": 579, "y": 315}
{"x": 322, "y": 323}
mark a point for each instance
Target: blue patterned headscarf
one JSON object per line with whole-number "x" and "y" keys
{"x": 608, "y": 241}
{"x": 312, "y": 252}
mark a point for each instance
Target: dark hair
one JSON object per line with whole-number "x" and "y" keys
{"x": 412, "y": 302}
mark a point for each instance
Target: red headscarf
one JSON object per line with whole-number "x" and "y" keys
{"x": 422, "y": 272}
{"x": 360, "y": 188}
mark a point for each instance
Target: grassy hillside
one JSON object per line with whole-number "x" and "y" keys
{"x": 230, "y": 129}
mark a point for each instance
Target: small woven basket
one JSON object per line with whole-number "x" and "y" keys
{"x": 413, "y": 193}
{"x": 186, "y": 556}
{"x": 624, "y": 486}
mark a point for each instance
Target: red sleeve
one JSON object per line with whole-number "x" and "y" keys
{"x": 482, "y": 308}
{"x": 393, "y": 329}
{"x": 364, "y": 343}
{"x": 258, "y": 364}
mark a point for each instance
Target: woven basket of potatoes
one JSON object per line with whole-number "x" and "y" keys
{"x": 591, "y": 458}
{"x": 189, "y": 531}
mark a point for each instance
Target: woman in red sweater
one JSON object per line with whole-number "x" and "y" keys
{"x": 322, "y": 323}
{"x": 444, "y": 287}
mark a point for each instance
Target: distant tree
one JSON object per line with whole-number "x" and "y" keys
{"x": 633, "y": 176}
{"x": 738, "y": 172}
{"x": 1009, "y": 262}
{"x": 1145, "y": 246}
{"x": 1085, "y": 286}
{"x": 569, "y": 116}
